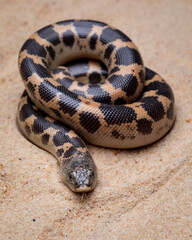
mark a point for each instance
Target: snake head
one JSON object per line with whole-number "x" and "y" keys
{"x": 79, "y": 172}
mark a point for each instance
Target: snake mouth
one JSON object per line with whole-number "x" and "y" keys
{"x": 81, "y": 189}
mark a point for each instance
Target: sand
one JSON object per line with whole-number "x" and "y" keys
{"x": 142, "y": 193}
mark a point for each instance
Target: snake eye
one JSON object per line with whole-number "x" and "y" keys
{"x": 70, "y": 176}
{"x": 91, "y": 174}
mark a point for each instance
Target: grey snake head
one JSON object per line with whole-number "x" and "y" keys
{"x": 79, "y": 172}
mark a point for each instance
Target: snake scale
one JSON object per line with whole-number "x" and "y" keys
{"x": 122, "y": 104}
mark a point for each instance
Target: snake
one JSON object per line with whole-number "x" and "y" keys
{"x": 120, "y": 103}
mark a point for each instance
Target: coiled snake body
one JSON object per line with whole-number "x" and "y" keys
{"x": 133, "y": 107}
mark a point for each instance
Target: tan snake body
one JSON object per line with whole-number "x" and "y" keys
{"x": 133, "y": 107}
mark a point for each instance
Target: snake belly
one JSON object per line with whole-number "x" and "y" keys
{"x": 133, "y": 107}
